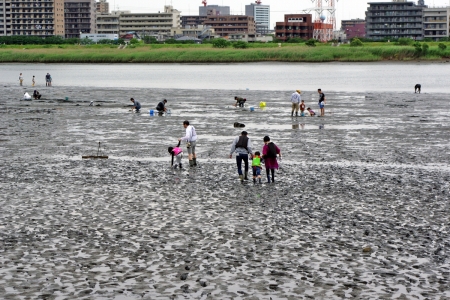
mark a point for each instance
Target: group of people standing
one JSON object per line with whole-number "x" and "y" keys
{"x": 48, "y": 80}
{"x": 299, "y": 104}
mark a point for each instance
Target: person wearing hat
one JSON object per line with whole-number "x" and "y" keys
{"x": 242, "y": 146}
{"x": 295, "y": 99}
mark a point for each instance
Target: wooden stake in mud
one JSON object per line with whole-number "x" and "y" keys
{"x": 95, "y": 156}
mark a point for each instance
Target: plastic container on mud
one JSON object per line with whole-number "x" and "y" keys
{"x": 152, "y": 113}
{"x": 67, "y": 98}
{"x": 252, "y": 108}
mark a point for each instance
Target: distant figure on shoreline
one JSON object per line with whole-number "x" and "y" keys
{"x": 48, "y": 80}
{"x": 36, "y": 95}
{"x": 20, "y": 79}
{"x": 417, "y": 88}
{"x": 33, "y": 82}
{"x": 239, "y": 101}
{"x": 136, "y": 105}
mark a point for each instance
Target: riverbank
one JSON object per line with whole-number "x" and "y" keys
{"x": 359, "y": 210}
{"x": 206, "y": 54}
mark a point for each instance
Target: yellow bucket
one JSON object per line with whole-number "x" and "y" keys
{"x": 262, "y": 104}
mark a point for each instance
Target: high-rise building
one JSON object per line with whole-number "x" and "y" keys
{"x": 436, "y": 23}
{"x": 393, "y": 20}
{"x": 218, "y": 10}
{"x": 33, "y": 18}
{"x": 261, "y": 13}
{"x": 80, "y": 16}
{"x": 102, "y": 7}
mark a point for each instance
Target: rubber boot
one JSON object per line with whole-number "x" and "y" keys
{"x": 195, "y": 161}
{"x": 181, "y": 166}
{"x": 191, "y": 163}
{"x": 296, "y": 114}
{"x": 260, "y": 180}
{"x": 241, "y": 177}
{"x": 268, "y": 178}
{"x": 254, "y": 180}
{"x": 245, "y": 177}
{"x": 292, "y": 113}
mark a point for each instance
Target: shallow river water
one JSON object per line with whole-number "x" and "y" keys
{"x": 349, "y": 77}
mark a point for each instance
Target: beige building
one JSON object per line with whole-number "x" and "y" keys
{"x": 436, "y": 23}
{"x": 232, "y": 25}
{"x": 33, "y": 18}
{"x": 109, "y": 23}
{"x": 79, "y": 17}
{"x": 160, "y": 24}
{"x": 102, "y": 7}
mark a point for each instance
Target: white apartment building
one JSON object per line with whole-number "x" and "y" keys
{"x": 109, "y": 23}
{"x": 261, "y": 13}
{"x": 160, "y": 23}
{"x": 436, "y": 23}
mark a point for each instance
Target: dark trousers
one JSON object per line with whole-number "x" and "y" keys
{"x": 239, "y": 159}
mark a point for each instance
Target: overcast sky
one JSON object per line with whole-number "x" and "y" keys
{"x": 346, "y": 9}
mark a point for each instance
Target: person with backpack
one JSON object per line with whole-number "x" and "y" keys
{"x": 242, "y": 145}
{"x": 270, "y": 152}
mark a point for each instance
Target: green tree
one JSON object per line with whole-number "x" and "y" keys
{"x": 356, "y": 43}
{"x": 220, "y": 43}
{"x": 311, "y": 42}
{"x": 134, "y": 41}
{"x": 150, "y": 40}
{"x": 442, "y": 46}
{"x": 240, "y": 45}
{"x": 405, "y": 41}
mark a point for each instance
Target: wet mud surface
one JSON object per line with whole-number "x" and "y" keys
{"x": 360, "y": 208}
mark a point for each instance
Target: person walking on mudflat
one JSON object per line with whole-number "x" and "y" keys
{"x": 191, "y": 141}
{"x": 322, "y": 102}
{"x": 270, "y": 152}
{"x": 295, "y": 99}
{"x": 242, "y": 145}
{"x": 20, "y": 79}
{"x": 33, "y": 82}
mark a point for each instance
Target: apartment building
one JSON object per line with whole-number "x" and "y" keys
{"x": 436, "y": 23}
{"x": 79, "y": 17}
{"x": 225, "y": 26}
{"x": 150, "y": 23}
{"x": 192, "y": 21}
{"x": 109, "y": 23}
{"x": 393, "y": 20}
{"x": 261, "y": 13}
{"x": 102, "y": 7}
{"x": 32, "y": 17}
{"x": 295, "y": 26}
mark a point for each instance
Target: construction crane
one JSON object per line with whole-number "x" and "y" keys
{"x": 204, "y": 2}
{"x": 258, "y": 2}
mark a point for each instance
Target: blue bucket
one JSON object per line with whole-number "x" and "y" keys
{"x": 152, "y": 112}
{"x": 252, "y": 108}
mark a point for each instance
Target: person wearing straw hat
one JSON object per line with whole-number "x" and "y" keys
{"x": 295, "y": 99}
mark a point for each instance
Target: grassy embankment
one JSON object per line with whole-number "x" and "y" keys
{"x": 207, "y": 54}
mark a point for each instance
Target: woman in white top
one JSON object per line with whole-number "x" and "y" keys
{"x": 191, "y": 139}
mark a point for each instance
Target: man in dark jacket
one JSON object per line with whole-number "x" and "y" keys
{"x": 242, "y": 145}
{"x": 161, "y": 107}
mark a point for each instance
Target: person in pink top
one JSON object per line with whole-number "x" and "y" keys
{"x": 270, "y": 152}
{"x": 178, "y": 153}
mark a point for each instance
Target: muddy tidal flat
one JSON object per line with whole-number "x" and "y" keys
{"x": 360, "y": 208}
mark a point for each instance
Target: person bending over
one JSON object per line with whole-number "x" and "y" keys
{"x": 161, "y": 107}
{"x": 178, "y": 153}
{"x": 239, "y": 101}
{"x": 136, "y": 105}
{"x": 417, "y": 88}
